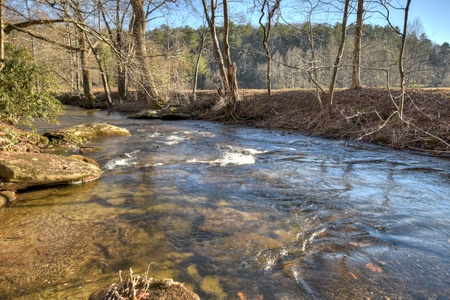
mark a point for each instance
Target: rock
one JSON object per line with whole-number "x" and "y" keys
{"x": 87, "y": 131}
{"x": 175, "y": 116}
{"x": 19, "y": 170}
{"x": 171, "y": 113}
{"x": 146, "y": 114}
{"x": 157, "y": 289}
{"x": 7, "y": 197}
{"x": 87, "y": 150}
{"x": 85, "y": 159}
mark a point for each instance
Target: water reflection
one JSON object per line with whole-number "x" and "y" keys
{"x": 227, "y": 210}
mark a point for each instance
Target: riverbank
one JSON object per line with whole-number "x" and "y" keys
{"x": 366, "y": 114}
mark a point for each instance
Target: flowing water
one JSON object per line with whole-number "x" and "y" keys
{"x": 228, "y": 210}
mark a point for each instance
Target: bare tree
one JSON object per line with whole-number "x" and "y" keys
{"x": 266, "y": 27}
{"x": 401, "y": 69}
{"x": 197, "y": 63}
{"x": 313, "y": 69}
{"x": 337, "y": 61}
{"x": 138, "y": 26}
{"x": 83, "y": 43}
{"x": 122, "y": 64}
{"x": 356, "y": 68}
{"x": 103, "y": 74}
{"x": 229, "y": 89}
{"x": 117, "y": 35}
{"x": 68, "y": 12}
{"x": 2, "y": 37}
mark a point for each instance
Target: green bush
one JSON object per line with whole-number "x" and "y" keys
{"x": 26, "y": 89}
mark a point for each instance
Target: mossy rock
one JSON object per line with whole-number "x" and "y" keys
{"x": 87, "y": 131}
{"x": 171, "y": 113}
{"x": 90, "y": 149}
{"x": 21, "y": 170}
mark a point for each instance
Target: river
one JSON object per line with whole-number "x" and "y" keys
{"x": 227, "y": 209}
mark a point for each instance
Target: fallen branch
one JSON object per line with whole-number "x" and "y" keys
{"x": 379, "y": 128}
{"x": 429, "y": 151}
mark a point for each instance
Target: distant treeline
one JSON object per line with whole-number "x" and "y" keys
{"x": 426, "y": 63}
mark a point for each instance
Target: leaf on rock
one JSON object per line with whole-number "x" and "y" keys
{"x": 354, "y": 276}
{"x": 373, "y": 268}
{"x": 241, "y": 296}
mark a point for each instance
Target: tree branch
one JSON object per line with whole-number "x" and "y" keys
{"x": 43, "y": 38}
{"x": 18, "y": 26}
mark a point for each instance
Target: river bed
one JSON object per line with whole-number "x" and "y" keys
{"x": 231, "y": 210}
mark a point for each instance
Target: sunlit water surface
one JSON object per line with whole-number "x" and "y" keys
{"x": 230, "y": 210}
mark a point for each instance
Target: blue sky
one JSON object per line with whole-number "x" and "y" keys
{"x": 435, "y": 17}
{"x": 433, "y": 14}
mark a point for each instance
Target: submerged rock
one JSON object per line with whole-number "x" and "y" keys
{"x": 20, "y": 170}
{"x": 7, "y": 197}
{"x": 87, "y": 131}
{"x": 90, "y": 149}
{"x": 85, "y": 159}
{"x": 147, "y": 289}
{"x": 171, "y": 113}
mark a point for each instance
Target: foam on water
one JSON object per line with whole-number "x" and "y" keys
{"x": 232, "y": 156}
{"x": 173, "y": 140}
{"x": 237, "y": 156}
{"x": 128, "y": 160}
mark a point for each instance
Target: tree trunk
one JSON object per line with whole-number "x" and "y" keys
{"x": 103, "y": 75}
{"x": 265, "y": 41}
{"x": 356, "y": 69}
{"x": 85, "y": 73}
{"x": 73, "y": 76}
{"x": 229, "y": 89}
{"x": 138, "y": 33}
{"x": 121, "y": 62}
{"x": 115, "y": 33}
{"x": 2, "y": 37}
{"x": 313, "y": 76}
{"x": 197, "y": 66}
{"x": 231, "y": 67}
{"x": 216, "y": 46}
{"x": 401, "y": 67}
{"x": 122, "y": 88}
{"x": 337, "y": 61}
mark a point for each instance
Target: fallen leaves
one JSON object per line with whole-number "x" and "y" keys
{"x": 241, "y": 296}
{"x": 373, "y": 268}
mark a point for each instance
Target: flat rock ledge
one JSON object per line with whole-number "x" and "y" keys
{"x": 151, "y": 289}
{"x": 87, "y": 131}
{"x": 171, "y": 113}
{"x": 19, "y": 170}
